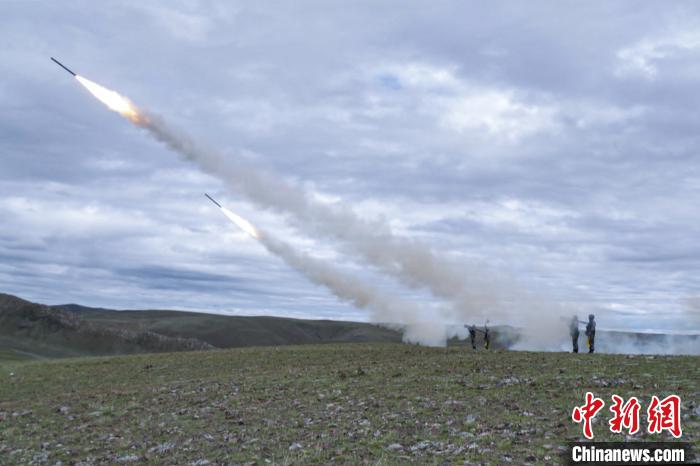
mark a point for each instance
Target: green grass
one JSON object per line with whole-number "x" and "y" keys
{"x": 12, "y": 355}
{"x": 344, "y": 403}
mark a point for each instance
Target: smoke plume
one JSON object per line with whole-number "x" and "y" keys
{"x": 473, "y": 292}
{"x": 385, "y": 309}
{"x": 692, "y": 311}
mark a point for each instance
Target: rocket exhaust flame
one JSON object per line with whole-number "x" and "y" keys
{"x": 241, "y": 223}
{"x": 112, "y": 99}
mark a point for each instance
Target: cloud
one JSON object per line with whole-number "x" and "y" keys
{"x": 461, "y": 106}
{"x": 557, "y": 143}
{"x": 646, "y": 56}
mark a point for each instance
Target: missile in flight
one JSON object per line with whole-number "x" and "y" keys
{"x": 240, "y": 222}
{"x": 110, "y": 98}
{"x": 212, "y": 200}
{"x": 62, "y": 66}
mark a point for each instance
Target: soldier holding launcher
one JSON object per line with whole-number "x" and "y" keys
{"x": 472, "y": 335}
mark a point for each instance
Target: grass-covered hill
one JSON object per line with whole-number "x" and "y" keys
{"x": 361, "y": 403}
{"x": 30, "y": 330}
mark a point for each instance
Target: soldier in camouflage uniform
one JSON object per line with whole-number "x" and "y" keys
{"x": 573, "y": 331}
{"x": 472, "y": 335}
{"x": 487, "y": 335}
{"x": 590, "y": 333}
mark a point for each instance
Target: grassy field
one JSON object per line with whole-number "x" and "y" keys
{"x": 345, "y": 403}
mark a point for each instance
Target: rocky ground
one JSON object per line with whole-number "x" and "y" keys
{"x": 350, "y": 403}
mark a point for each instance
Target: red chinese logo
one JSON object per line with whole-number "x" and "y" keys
{"x": 665, "y": 415}
{"x": 661, "y": 415}
{"x": 626, "y": 415}
{"x": 587, "y": 412}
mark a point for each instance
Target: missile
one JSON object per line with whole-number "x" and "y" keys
{"x": 212, "y": 200}
{"x": 240, "y": 222}
{"x": 62, "y": 65}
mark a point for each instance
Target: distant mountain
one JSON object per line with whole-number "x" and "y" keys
{"x": 30, "y": 330}
{"x": 34, "y": 330}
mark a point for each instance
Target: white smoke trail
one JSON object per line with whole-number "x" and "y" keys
{"x": 473, "y": 293}
{"x": 352, "y": 290}
{"x": 259, "y": 188}
{"x": 386, "y": 310}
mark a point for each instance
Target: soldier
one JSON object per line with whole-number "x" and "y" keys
{"x": 472, "y": 335}
{"x": 590, "y": 333}
{"x": 573, "y": 331}
{"x": 487, "y": 335}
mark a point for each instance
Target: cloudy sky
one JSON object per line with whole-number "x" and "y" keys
{"x": 552, "y": 142}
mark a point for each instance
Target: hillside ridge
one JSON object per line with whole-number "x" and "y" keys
{"x": 30, "y": 329}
